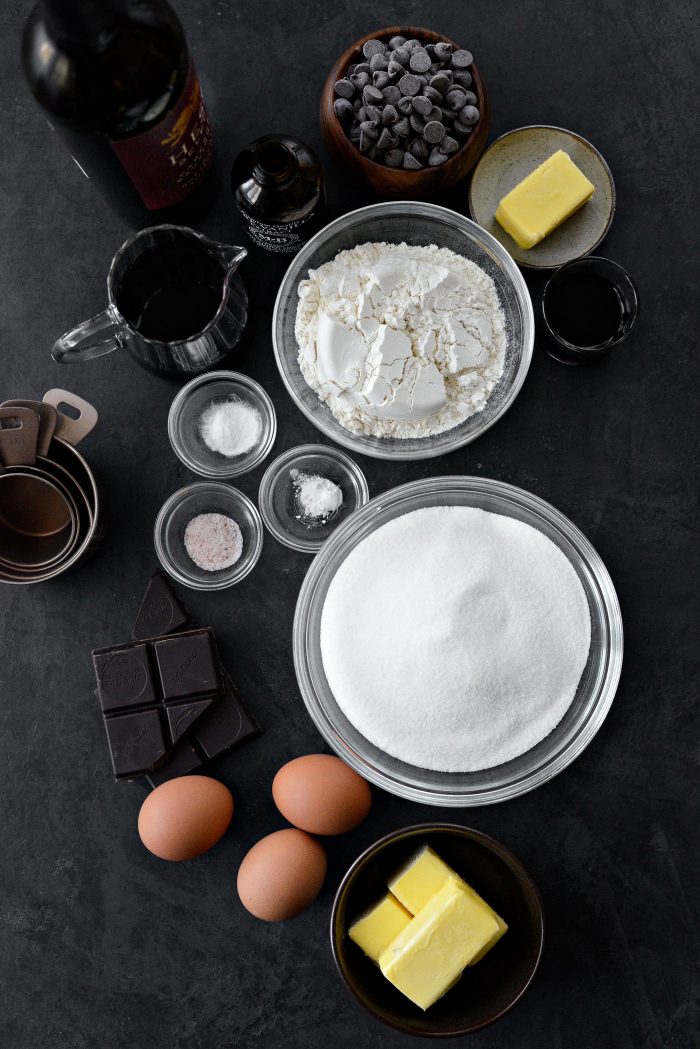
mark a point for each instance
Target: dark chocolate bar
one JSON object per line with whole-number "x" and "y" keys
{"x": 162, "y": 611}
{"x": 226, "y": 725}
{"x": 217, "y": 731}
{"x": 152, "y": 692}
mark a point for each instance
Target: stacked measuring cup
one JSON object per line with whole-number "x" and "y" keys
{"x": 49, "y": 504}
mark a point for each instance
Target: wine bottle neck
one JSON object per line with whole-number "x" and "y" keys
{"x": 80, "y": 20}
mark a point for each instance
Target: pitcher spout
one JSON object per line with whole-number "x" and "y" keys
{"x": 230, "y": 254}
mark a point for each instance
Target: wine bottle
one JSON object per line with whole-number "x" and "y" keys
{"x": 118, "y": 84}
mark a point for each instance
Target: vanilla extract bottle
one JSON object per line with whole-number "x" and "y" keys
{"x": 277, "y": 184}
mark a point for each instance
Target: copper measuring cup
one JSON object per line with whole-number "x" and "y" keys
{"x": 38, "y": 521}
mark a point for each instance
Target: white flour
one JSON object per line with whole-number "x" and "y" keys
{"x": 400, "y": 340}
{"x": 454, "y": 639}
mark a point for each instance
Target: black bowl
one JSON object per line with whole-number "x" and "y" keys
{"x": 487, "y": 990}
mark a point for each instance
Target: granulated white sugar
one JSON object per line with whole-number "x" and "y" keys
{"x": 454, "y": 639}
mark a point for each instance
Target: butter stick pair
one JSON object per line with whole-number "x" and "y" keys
{"x": 429, "y": 927}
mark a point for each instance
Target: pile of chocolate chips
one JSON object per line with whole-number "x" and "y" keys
{"x": 408, "y": 104}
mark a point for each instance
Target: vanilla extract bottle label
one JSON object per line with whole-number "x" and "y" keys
{"x": 167, "y": 162}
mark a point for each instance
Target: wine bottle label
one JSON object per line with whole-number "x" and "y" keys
{"x": 279, "y": 236}
{"x": 167, "y": 162}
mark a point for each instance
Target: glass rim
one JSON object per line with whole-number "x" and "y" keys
{"x": 249, "y": 460}
{"x": 306, "y": 546}
{"x": 243, "y": 567}
{"x": 431, "y": 447}
{"x": 511, "y": 785}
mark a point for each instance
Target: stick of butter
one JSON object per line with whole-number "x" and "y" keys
{"x": 381, "y": 924}
{"x": 428, "y": 956}
{"x": 423, "y": 876}
{"x": 543, "y": 200}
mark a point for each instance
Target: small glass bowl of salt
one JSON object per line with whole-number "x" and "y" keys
{"x": 208, "y": 535}
{"x": 222, "y": 424}
{"x": 307, "y": 492}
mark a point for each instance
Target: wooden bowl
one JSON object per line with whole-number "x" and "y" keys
{"x": 393, "y": 183}
{"x": 487, "y": 990}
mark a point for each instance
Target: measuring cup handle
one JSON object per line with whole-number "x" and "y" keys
{"x": 95, "y": 337}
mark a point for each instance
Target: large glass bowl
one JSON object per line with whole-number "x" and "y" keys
{"x": 415, "y": 223}
{"x": 595, "y": 691}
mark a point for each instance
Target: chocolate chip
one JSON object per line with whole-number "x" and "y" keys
{"x": 436, "y": 158}
{"x": 359, "y": 80}
{"x": 405, "y": 105}
{"x": 462, "y": 59}
{"x": 409, "y": 84}
{"x": 373, "y": 47}
{"x": 369, "y": 128}
{"x": 412, "y": 44}
{"x": 448, "y": 115}
{"x": 419, "y": 61}
{"x": 394, "y": 69}
{"x": 354, "y": 132}
{"x": 373, "y": 113}
{"x": 420, "y": 148}
{"x": 441, "y": 82}
{"x": 391, "y": 95}
{"x": 365, "y": 141}
{"x": 434, "y": 114}
{"x": 463, "y": 79}
{"x": 469, "y": 115}
{"x": 417, "y": 123}
{"x": 400, "y": 55}
{"x": 471, "y": 98}
{"x": 449, "y": 144}
{"x": 411, "y": 163}
{"x": 443, "y": 51}
{"x": 378, "y": 62}
{"x": 387, "y": 139}
{"x": 342, "y": 108}
{"x": 397, "y": 41}
{"x": 455, "y": 99}
{"x": 389, "y": 115}
{"x": 362, "y": 67}
{"x": 402, "y": 127}
{"x": 422, "y": 105}
{"x": 461, "y": 128}
{"x": 381, "y": 79}
{"x": 370, "y": 95}
{"x": 433, "y": 94}
{"x": 434, "y": 132}
{"x": 435, "y": 67}
{"x": 343, "y": 88}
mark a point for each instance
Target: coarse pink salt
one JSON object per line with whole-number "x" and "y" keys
{"x": 213, "y": 541}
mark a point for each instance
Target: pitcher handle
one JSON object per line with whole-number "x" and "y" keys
{"x": 95, "y": 337}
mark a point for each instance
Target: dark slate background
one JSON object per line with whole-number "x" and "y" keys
{"x": 104, "y": 946}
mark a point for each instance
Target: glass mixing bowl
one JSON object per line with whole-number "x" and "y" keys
{"x": 414, "y": 222}
{"x": 595, "y": 691}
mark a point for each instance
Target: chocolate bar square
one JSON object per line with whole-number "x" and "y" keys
{"x": 136, "y": 742}
{"x": 124, "y": 677}
{"x": 187, "y": 664}
{"x": 161, "y": 610}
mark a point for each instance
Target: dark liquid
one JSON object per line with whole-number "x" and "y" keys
{"x": 171, "y": 293}
{"x": 584, "y": 309}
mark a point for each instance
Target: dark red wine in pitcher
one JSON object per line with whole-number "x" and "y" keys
{"x": 118, "y": 84}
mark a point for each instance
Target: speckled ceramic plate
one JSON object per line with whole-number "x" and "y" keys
{"x": 513, "y": 156}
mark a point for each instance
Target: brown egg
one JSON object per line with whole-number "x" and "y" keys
{"x": 281, "y": 875}
{"x": 319, "y": 793}
{"x": 185, "y": 817}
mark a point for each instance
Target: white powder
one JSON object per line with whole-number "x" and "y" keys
{"x": 230, "y": 427}
{"x": 317, "y": 497}
{"x": 400, "y": 340}
{"x": 454, "y": 639}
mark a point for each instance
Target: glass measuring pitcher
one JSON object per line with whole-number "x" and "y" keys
{"x": 174, "y": 304}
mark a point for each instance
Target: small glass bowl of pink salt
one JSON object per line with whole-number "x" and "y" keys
{"x": 208, "y": 536}
{"x": 222, "y": 424}
{"x": 307, "y": 492}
